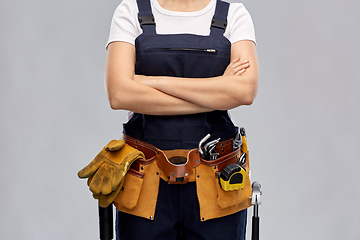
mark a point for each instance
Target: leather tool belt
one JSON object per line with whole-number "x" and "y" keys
{"x": 178, "y": 168}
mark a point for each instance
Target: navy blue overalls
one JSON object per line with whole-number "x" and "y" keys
{"x": 189, "y": 56}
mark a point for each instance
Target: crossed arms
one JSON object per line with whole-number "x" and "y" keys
{"x": 161, "y": 95}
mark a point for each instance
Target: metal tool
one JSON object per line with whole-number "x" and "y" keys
{"x": 208, "y": 151}
{"x": 213, "y": 156}
{"x": 202, "y": 141}
{"x": 256, "y": 201}
{"x": 242, "y": 159}
{"x": 242, "y": 131}
{"x": 236, "y": 143}
{"x": 211, "y": 145}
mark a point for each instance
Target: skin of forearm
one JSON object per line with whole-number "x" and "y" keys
{"x": 139, "y": 98}
{"x": 173, "y": 96}
{"x": 219, "y": 93}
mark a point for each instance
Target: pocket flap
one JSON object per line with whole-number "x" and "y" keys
{"x": 129, "y": 195}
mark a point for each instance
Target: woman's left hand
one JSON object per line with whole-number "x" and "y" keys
{"x": 237, "y": 67}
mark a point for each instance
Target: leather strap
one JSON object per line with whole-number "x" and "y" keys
{"x": 224, "y": 160}
{"x": 180, "y": 173}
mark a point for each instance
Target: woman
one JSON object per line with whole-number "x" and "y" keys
{"x": 178, "y": 66}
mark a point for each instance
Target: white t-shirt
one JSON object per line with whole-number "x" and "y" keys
{"x": 125, "y": 26}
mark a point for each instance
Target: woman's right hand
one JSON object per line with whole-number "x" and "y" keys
{"x": 236, "y": 67}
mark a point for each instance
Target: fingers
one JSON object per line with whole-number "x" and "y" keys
{"x": 89, "y": 180}
{"x": 239, "y": 72}
{"x": 90, "y": 169}
{"x": 237, "y": 67}
{"x": 244, "y": 64}
{"x": 107, "y": 181}
{"x": 240, "y": 69}
{"x": 102, "y": 180}
{"x": 106, "y": 200}
{"x": 237, "y": 61}
{"x": 115, "y": 145}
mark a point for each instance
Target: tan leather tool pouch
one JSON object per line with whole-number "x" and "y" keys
{"x": 214, "y": 201}
{"x": 139, "y": 195}
{"x": 129, "y": 194}
{"x": 227, "y": 199}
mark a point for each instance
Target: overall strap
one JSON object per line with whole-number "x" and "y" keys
{"x": 145, "y": 17}
{"x": 219, "y": 21}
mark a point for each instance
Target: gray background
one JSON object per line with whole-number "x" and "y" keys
{"x": 302, "y": 130}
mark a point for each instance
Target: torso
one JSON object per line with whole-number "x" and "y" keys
{"x": 181, "y": 55}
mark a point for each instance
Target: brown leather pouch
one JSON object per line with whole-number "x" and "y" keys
{"x": 214, "y": 201}
{"x": 140, "y": 193}
{"x": 227, "y": 199}
{"x": 129, "y": 194}
{"x": 224, "y": 198}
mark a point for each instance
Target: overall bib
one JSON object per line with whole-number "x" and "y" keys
{"x": 189, "y": 56}
{"x": 181, "y": 55}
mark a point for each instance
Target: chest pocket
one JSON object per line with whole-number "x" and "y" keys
{"x": 182, "y": 55}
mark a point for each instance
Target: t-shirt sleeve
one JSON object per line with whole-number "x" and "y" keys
{"x": 124, "y": 25}
{"x": 240, "y": 25}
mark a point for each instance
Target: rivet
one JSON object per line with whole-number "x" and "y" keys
{"x": 203, "y": 219}
{"x": 197, "y": 151}
{"x": 186, "y": 174}
{"x": 214, "y": 167}
{"x": 222, "y": 150}
{"x": 151, "y": 218}
{"x": 137, "y": 141}
{"x": 222, "y": 144}
{"x": 197, "y": 176}
{"x": 136, "y": 147}
{"x": 142, "y": 168}
{"x": 197, "y": 161}
{"x": 157, "y": 173}
{"x": 173, "y": 174}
